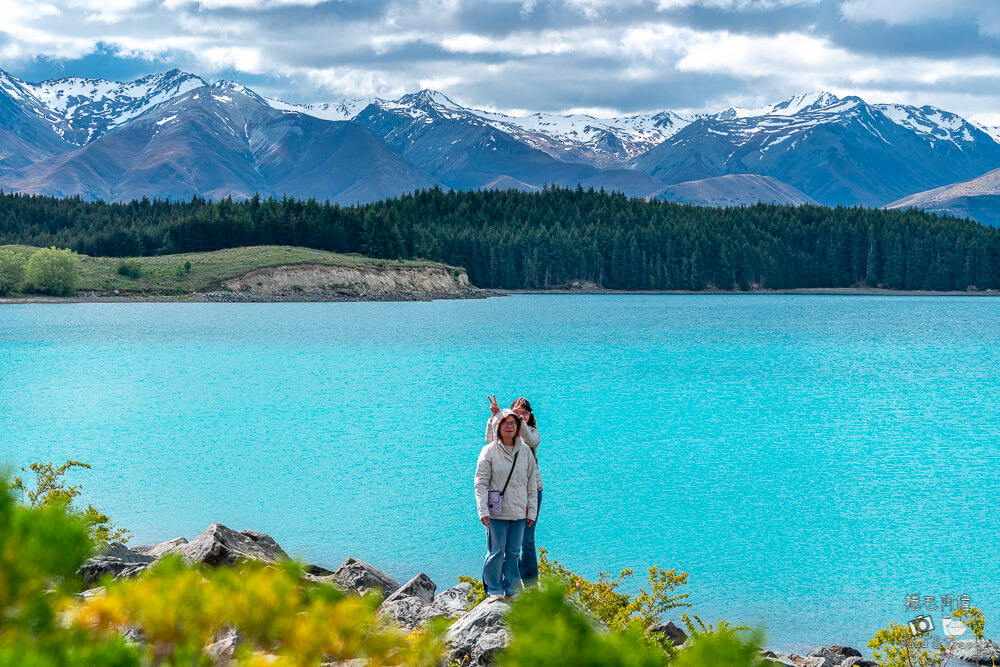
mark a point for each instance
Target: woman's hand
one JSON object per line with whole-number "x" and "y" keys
{"x": 530, "y": 523}
{"x": 486, "y": 521}
{"x": 494, "y": 408}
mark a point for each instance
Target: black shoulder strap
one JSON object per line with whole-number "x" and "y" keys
{"x": 510, "y": 473}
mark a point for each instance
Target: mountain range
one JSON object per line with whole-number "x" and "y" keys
{"x": 175, "y": 135}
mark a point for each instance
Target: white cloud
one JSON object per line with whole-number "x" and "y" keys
{"x": 507, "y": 52}
{"x": 985, "y": 13}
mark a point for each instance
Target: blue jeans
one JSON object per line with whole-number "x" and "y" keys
{"x": 503, "y": 549}
{"x": 529, "y": 558}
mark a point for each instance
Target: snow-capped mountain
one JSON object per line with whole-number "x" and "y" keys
{"x": 788, "y": 107}
{"x": 81, "y": 110}
{"x": 462, "y": 149}
{"x": 118, "y": 139}
{"x": 343, "y": 110}
{"x": 569, "y": 138}
{"x": 216, "y": 143}
{"x": 835, "y": 150}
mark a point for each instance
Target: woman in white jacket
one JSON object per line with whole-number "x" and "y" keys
{"x": 529, "y": 435}
{"x": 505, "y": 473}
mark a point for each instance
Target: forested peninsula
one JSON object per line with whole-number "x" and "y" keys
{"x": 549, "y": 239}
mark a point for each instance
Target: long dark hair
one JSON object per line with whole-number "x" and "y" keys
{"x": 527, "y": 406}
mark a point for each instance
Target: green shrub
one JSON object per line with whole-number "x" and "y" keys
{"x": 130, "y": 268}
{"x": 621, "y": 611}
{"x": 187, "y": 267}
{"x": 282, "y": 619}
{"x": 54, "y": 271}
{"x": 40, "y": 552}
{"x": 547, "y": 629}
{"x": 12, "y": 267}
{"x": 50, "y": 490}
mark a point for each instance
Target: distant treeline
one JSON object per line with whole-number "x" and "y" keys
{"x": 511, "y": 239}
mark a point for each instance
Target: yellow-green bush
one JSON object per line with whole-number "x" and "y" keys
{"x": 621, "y": 611}
{"x": 281, "y": 618}
{"x": 12, "y": 267}
{"x": 274, "y": 611}
{"x": 547, "y": 630}
{"x": 53, "y": 271}
{"x": 50, "y": 490}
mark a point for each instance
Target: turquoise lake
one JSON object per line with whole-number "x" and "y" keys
{"x": 809, "y": 460}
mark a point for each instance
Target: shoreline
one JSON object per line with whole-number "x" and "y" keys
{"x": 347, "y": 296}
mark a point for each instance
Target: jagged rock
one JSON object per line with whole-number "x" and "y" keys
{"x": 830, "y": 659}
{"x": 119, "y": 550}
{"x": 816, "y": 661}
{"x": 419, "y": 586}
{"x": 163, "y": 548}
{"x": 671, "y": 632}
{"x": 982, "y": 652}
{"x": 222, "y": 650}
{"x": 116, "y": 560}
{"x": 770, "y": 657}
{"x": 406, "y": 612}
{"x": 219, "y": 545}
{"x": 857, "y": 661}
{"x": 846, "y": 651}
{"x": 409, "y": 606}
{"x": 452, "y": 602}
{"x": 361, "y": 577}
{"x": 476, "y": 638}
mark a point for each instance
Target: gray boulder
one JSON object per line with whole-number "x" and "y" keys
{"x": 981, "y": 652}
{"x": 453, "y": 602}
{"x": 670, "y": 631}
{"x": 219, "y": 545}
{"x": 409, "y": 605}
{"x": 406, "y": 612}
{"x": 115, "y": 560}
{"x": 772, "y": 658}
{"x": 476, "y": 638}
{"x": 360, "y": 577}
{"x": 419, "y": 586}
{"x": 830, "y": 659}
{"x": 857, "y": 661}
{"x": 163, "y": 548}
{"x": 846, "y": 651}
{"x": 120, "y": 551}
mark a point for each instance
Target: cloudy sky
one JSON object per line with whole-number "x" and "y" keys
{"x": 601, "y": 56}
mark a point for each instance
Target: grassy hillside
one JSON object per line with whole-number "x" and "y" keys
{"x": 166, "y": 274}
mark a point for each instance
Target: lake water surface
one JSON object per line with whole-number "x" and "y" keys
{"x": 809, "y": 460}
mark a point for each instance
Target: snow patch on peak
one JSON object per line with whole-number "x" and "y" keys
{"x": 343, "y": 110}
{"x": 430, "y": 97}
{"x": 80, "y": 110}
{"x": 932, "y": 123}
{"x": 788, "y": 107}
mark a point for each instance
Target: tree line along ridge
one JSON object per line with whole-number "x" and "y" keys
{"x": 519, "y": 240}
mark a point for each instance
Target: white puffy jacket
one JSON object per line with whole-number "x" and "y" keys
{"x": 494, "y": 464}
{"x": 529, "y": 435}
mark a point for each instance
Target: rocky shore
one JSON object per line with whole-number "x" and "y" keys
{"x": 476, "y": 635}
